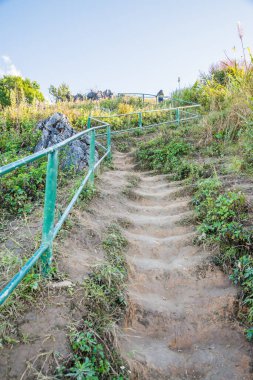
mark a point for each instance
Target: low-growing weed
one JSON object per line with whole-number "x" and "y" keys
{"x": 94, "y": 354}
{"x": 223, "y": 221}
{"x": 222, "y": 215}
{"x": 133, "y": 181}
{"x": 243, "y": 275}
{"x": 90, "y": 359}
{"x": 18, "y": 192}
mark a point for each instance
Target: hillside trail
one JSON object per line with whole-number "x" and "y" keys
{"x": 180, "y": 323}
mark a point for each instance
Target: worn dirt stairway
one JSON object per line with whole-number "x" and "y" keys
{"x": 180, "y": 321}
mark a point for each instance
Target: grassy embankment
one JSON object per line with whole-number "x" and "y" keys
{"x": 210, "y": 157}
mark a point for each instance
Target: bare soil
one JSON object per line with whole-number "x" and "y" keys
{"x": 181, "y": 318}
{"x": 181, "y": 323}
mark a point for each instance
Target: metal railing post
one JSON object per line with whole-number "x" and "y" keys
{"x": 140, "y": 119}
{"x": 49, "y": 210}
{"x": 178, "y": 116}
{"x": 89, "y": 122}
{"x": 92, "y": 155}
{"x": 108, "y": 141}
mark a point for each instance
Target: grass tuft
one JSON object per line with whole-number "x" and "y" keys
{"x": 94, "y": 348}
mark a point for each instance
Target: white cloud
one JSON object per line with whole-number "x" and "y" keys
{"x": 8, "y": 68}
{"x": 6, "y": 59}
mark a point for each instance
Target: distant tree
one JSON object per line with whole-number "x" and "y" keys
{"x": 61, "y": 93}
{"x": 24, "y": 89}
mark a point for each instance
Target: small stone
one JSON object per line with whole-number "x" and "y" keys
{"x": 61, "y": 284}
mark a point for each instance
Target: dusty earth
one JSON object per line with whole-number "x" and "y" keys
{"x": 180, "y": 323}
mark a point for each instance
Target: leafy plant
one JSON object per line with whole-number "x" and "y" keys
{"x": 17, "y": 193}
{"x": 243, "y": 275}
{"x": 94, "y": 356}
{"x": 89, "y": 360}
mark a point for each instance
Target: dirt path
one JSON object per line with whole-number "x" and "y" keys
{"x": 179, "y": 324}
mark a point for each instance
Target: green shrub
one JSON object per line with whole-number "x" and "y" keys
{"x": 17, "y": 89}
{"x": 90, "y": 360}
{"x": 206, "y": 190}
{"x": 162, "y": 155}
{"x": 246, "y": 146}
{"x": 19, "y": 190}
{"x": 243, "y": 275}
{"x": 188, "y": 94}
{"x": 222, "y": 215}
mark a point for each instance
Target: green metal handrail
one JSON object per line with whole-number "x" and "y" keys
{"x": 149, "y": 96}
{"x": 146, "y": 111}
{"x": 49, "y": 229}
{"x": 139, "y": 94}
{"x": 179, "y": 111}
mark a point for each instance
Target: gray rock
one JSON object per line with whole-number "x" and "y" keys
{"x": 60, "y": 284}
{"x": 56, "y": 129}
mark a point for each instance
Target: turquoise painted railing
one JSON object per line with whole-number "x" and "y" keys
{"x": 138, "y": 94}
{"x": 49, "y": 228}
{"x": 179, "y": 114}
{"x": 144, "y": 96}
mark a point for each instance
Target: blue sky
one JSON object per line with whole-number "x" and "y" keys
{"x": 125, "y": 45}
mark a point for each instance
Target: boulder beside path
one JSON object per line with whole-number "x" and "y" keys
{"x": 57, "y": 128}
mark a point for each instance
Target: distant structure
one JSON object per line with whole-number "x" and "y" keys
{"x": 107, "y": 94}
{"x": 78, "y": 97}
{"x": 97, "y": 95}
{"x": 92, "y": 95}
{"x": 160, "y": 96}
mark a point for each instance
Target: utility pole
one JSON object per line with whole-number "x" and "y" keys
{"x": 179, "y": 80}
